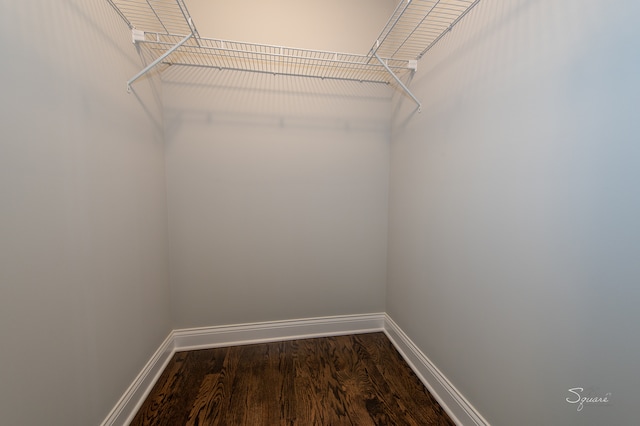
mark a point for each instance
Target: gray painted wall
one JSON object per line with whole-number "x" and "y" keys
{"x": 512, "y": 234}
{"x": 277, "y": 195}
{"x": 83, "y": 254}
{"x": 277, "y": 186}
{"x": 514, "y": 205}
{"x": 349, "y": 26}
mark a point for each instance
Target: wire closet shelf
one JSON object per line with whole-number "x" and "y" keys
{"x": 166, "y": 28}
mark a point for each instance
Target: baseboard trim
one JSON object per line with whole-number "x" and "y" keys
{"x": 232, "y": 335}
{"x": 271, "y": 331}
{"x": 128, "y": 405}
{"x": 443, "y": 391}
{"x": 451, "y": 400}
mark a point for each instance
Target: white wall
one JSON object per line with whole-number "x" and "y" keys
{"x": 83, "y": 275}
{"x": 512, "y": 234}
{"x": 277, "y": 194}
{"x": 349, "y": 26}
{"x": 277, "y": 186}
{"x": 514, "y": 206}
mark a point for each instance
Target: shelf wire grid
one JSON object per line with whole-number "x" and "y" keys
{"x": 233, "y": 55}
{"x": 166, "y": 22}
{"x": 416, "y": 25}
{"x": 160, "y": 16}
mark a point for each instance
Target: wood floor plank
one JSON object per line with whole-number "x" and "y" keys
{"x": 344, "y": 380}
{"x": 401, "y": 381}
{"x": 207, "y": 401}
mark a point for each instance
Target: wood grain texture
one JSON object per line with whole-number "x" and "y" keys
{"x": 343, "y": 380}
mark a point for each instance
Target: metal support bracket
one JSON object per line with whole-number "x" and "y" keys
{"x": 404, "y": 87}
{"x": 156, "y": 62}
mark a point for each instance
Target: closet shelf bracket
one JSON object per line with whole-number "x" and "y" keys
{"x": 397, "y": 79}
{"x": 158, "y": 60}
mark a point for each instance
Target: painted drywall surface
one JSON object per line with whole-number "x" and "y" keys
{"x": 514, "y": 205}
{"x": 276, "y": 186}
{"x": 334, "y": 25}
{"x": 277, "y": 196}
{"x": 83, "y": 275}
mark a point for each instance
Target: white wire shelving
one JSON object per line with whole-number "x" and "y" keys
{"x": 234, "y": 55}
{"x": 166, "y": 28}
{"x": 162, "y": 16}
{"x": 417, "y": 25}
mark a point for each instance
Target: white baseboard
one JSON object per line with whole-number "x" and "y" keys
{"x": 134, "y": 396}
{"x": 272, "y": 331}
{"x": 232, "y": 335}
{"x": 452, "y": 401}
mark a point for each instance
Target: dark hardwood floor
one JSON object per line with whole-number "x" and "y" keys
{"x": 345, "y": 380}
